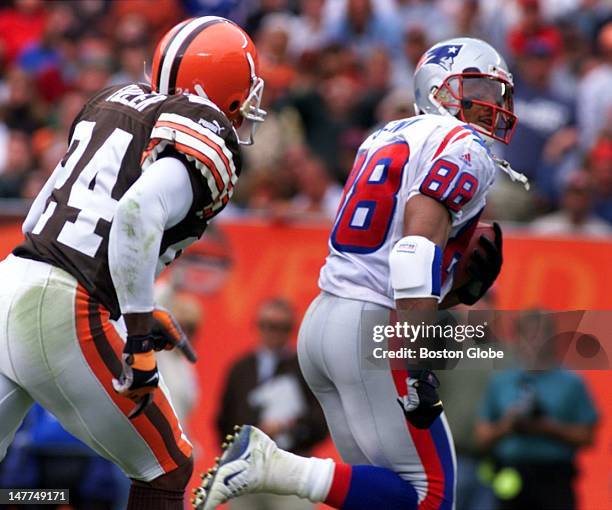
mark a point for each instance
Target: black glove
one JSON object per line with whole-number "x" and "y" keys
{"x": 483, "y": 269}
{"x": 422, "y": 405}
{"x": 139, "y": 376}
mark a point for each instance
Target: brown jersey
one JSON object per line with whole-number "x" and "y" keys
{"x": 115, "y": 137}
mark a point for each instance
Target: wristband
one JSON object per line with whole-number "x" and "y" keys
{"x": 136, "y": 344}
{"x": 415, "y": 268}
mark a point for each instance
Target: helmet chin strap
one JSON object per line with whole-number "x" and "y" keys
{"x": 502, "y": 164}
{"x": 441, "y": 110}
{"x": 515, "y": 176}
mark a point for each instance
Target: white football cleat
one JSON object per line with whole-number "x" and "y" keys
{"x": 240, "y": 470}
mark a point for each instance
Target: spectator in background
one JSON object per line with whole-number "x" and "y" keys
{"x": 594, "y": 93}
{"x": 588, "y": 17}
{"x": 576, "y": 215}
{"x": 334, "y": 60}
{"x": 532, "y": 27}
{"x": 534, "y": 423}
{"x": 309, "y": 31}
{"x": 265, "y": 388}
{"x": 93, "y": 77}
{"x": 95, "y": 64}
{"x": 497, "y": 17}
{"x": 376, "y": 84}
{"x": 18, "y": 162}
{"x": 49, "y": 143}
{"x": 281, "y": 131}
{"x": 560, "y": 156}
{"x": 363, "y": 25}
{"x": 545, "y": 118}
{"x": 57, "y": 128}
{"x": 273, "y": 41}
{"x": 318, "y": 195}
{"x": 555, "y": 10}
{"x": 415, "y": 45}
{"x": 469, "y": 21}
{"x": 267, "y": 189}
{"x": 326, "y": 110}
{"x": 600, "y": 167}
{"x": 132, "y": 58}
{"x": 339, "y": 99}
{"x": 89, "y": 15}
{"x": 397, "y": 104}
{"x": 156, "y": 21}
{"x": 53, "y": 152}
{"x": 260, "y": 9}
{"x": 427, "y": 15}
{"x": 132, "y": 28}
{"x": 571, "y": 62}
{"x": 67, "y": 110}
{"x": 20, "y": 106}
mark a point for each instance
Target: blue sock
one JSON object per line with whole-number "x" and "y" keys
{"x": 375, "y": 487}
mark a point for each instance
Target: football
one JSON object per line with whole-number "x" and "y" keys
{"x": 461, "y": 272}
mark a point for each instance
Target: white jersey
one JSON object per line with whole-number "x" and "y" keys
{"x": 433, "y": 155}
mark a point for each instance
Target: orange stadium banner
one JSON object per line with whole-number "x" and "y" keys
{"x": 267, "y": 260}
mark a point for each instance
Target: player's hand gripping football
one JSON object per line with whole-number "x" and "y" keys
{"x": 484, "y": 266}
{"x": 422, "y": 405}
{"x": 167, "y": 334}
{"x": 139, "y": 376}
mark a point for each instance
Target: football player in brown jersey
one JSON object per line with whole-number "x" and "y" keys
{"x": 148, "y": 166}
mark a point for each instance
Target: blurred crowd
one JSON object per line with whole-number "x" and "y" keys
{"x": 334, "y": 71}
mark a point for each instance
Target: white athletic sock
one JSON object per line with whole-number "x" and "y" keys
{"x": 305, "y": 477}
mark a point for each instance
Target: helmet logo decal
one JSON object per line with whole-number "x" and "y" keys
{"x": 444, "y": 56}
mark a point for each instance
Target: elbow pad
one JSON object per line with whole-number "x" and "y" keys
{"x": 415, "y": 267}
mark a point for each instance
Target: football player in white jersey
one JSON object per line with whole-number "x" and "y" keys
{"x": 410, "y": 206}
